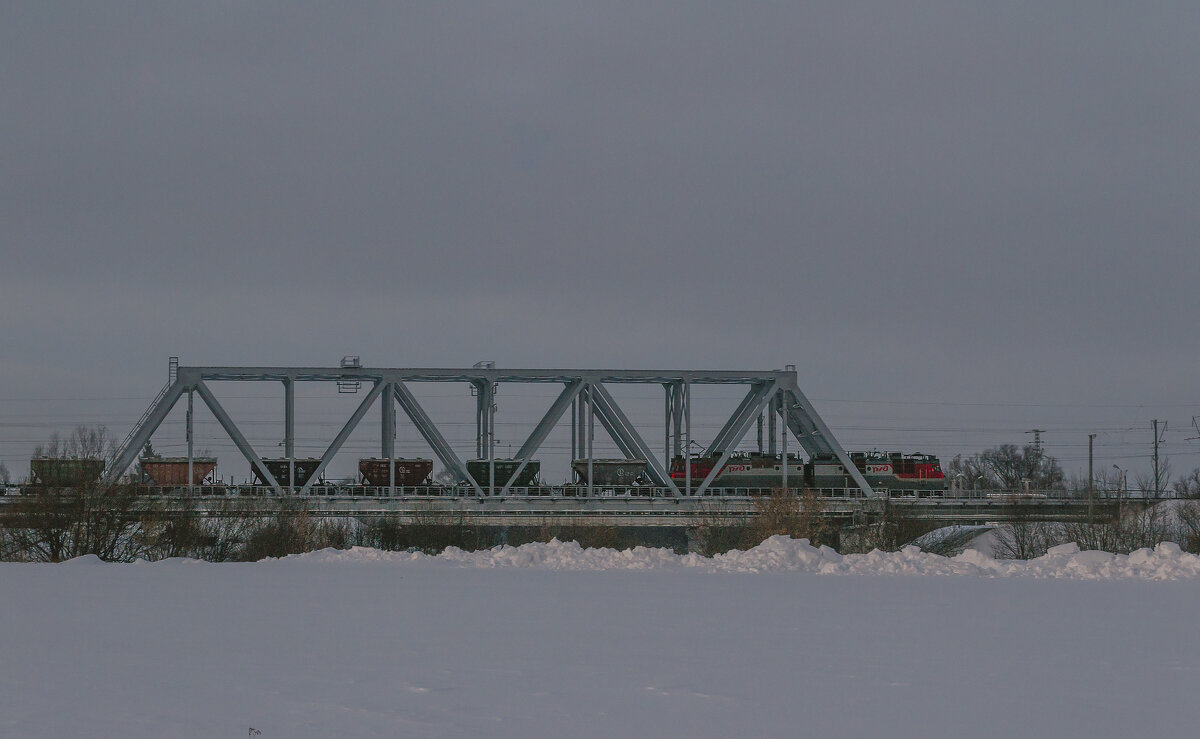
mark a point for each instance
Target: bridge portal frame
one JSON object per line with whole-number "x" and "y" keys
{"x": 771, "y": 393}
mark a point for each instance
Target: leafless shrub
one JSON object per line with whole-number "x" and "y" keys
{"x": 427, "y": 530}
{"x": 1188, "y": 533}
{"x": 884, "y": 529}
{"x": 1133, "y": 528}
{"x": 782, "y": 513}
{"x": 1026, "y": 539}
{"x": 53, "y": 526}
{"x": 84, "y": 442}
{"x": 292, "y": 530}
{"x": 1188, "y": 486}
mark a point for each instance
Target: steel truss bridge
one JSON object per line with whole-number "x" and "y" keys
{"x": 773, "y": 400}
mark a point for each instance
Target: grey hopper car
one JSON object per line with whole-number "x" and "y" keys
{"x": 610, "y": 471}
{"x": 479, "y": 470}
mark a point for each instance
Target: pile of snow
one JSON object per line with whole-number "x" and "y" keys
{"x": 782, "y": 554}
{"x": 509, "y": 643}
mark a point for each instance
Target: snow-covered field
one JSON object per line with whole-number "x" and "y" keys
{"x": 554, "y": 641}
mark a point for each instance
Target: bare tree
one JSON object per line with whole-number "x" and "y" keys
{"x": 1009, "y": 467}
{"x": 1025, "y": 537}
{"x": 52, "y": 526}
{"x": 1133, "y": 527}
{"x": 1188, "y": 534}
{"x": 1144, "y": 483}
{"x": 1188, "y": 486}
{"x": 84, "y": 442}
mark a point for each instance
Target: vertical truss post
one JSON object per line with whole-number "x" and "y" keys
{"x": 667, "y": 425}
{"x": 344, "y": 434}
{"x": 289, "y": 431}
{"x": 191, "y": 437}
{"x": 235, "y": 434}
{"x": 687, "y": 452}
{"x": 432, "y": 436}
{"x": 387, "y": 413}
{"x": 485, "y": 425}
{"x": 772, "y": 434}
{"x": 677, "y": 417}
{"x": 581, "y": 426}
{"x": 758, "y": 398}
{"x": 784, "y": 466}
{"x": 591, "y": 437}
{"x": 574, "y": 414}
{"x": 480, "y": 426}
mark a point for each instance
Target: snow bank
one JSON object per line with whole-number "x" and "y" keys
{"x": 781, "y": 554}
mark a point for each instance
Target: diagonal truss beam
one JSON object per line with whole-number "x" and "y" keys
{"x": 137, "y": 439}
{"x": 538, "y": 436}
{"x": 344, "y": 434}
{"x": 627, "y": 437}
{"x": 235, "y": 434}
{"x": 721, "y": 440}
{"x": 758, "y": 398}
{"x": 433, "y": 437}
{"x": 814, "y": 435}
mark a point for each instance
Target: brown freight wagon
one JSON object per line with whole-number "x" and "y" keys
{"x": 409, "y": 472}
{"x": 173, "y": 470}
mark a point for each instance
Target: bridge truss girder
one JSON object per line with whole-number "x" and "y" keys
{"x": 585, "y": 393}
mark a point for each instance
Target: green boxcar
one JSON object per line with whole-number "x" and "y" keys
{"x": 65, "y": 473}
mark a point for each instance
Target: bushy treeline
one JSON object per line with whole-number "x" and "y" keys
{"x": 1134, "y": 528}
{"x": 117, "y": 525}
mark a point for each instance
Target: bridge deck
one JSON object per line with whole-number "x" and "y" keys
{"x": 644, "y": 506}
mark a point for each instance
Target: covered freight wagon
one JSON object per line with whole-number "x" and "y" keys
{"x": 610, "y": 471}
{"x": 174, "y": 470}
{"x": 408, "y": 472}
{"x": 479, "y": 470}
{"x": 306, "y": 467}
{"x": 65, "y": 473}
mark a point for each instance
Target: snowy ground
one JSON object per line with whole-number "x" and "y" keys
{"x": 551, "y": 641}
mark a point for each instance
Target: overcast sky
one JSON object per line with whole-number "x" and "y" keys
{"x": 979, "y": 217}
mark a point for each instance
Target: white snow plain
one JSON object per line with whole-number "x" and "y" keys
{"x": 550, "y": 640}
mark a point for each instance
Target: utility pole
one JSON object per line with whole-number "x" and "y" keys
{"x": 1037, "y": 453}
{"x": 1157, "y": 469}
{"x": 1037, "y": 440}
{"x": 1091, "y": 479}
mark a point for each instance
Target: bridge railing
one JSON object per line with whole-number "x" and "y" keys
{"x": 629, "y": 492}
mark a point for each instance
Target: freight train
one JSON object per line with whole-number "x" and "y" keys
{"x": 890, "y": 473}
